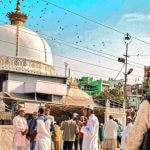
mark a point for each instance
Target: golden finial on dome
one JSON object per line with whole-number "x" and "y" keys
{"x": 17, "y": 18}
{"x": 18, "y": 6}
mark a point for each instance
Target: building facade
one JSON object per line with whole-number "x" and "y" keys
{"x": 135, "y": 97}
{"x": 113, "y": 82}
{"x": 26, "y": 66}
{"x": 146, "y": 83}
{"x": 93, "y": 87}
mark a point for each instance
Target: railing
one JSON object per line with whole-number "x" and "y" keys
{"x": 5, "y": 115}
{"x": 113, "y": 104}
{"x": 24, "y": 65}
{"x": 114, "y": 110}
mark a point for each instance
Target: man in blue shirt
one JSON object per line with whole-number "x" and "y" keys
{"x": 101, "y": 135}
{"x": 32, "y": 130}
{"x": 119, "y": 133}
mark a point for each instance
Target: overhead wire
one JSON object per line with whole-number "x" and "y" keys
{"x": 96, "y": 75}
{"x": 81, "y": 49}
{"x": 63, "y": 57}
{"x": 84, "y": 47}
{"x": 140, "y": 55}
{"x": 91, "y": 20}
{"x": 119, "y": 72}
{"x": 81, "y": 61}
{"x": 99, "y": 51}
{"x": 86, "y": 18}
{"x": 95, "y": 50}
{"x": 96, "y": 65}
{"x": 94, "y": 21}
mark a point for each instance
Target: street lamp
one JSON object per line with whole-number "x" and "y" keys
{"x": 127, "y": 41}
{"x": 130, "y": 71}
{"x": 127, "y": 38}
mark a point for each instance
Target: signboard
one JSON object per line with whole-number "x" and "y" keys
{"x": 31, "y": 107}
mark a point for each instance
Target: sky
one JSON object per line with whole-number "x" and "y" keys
{"x": 132, "y": 16}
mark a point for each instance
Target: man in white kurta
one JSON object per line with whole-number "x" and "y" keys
{"x": 43, "y": 138}
{"x": 20, "y": 128}
{"x": 49, "y": 123}
{"x": 110, "y": 138}
{"x": 90, "y": 130}
{"x": 125, "y": 133}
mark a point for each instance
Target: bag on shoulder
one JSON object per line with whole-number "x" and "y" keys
{"x": 146, "y": 141}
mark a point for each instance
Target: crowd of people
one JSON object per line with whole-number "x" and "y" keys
{"x": 41, "y": 132}
{"x": 113, "y": 135}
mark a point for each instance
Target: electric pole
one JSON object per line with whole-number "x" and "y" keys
{"x": 125, "y": 74}
{"x": 127, "y": 40}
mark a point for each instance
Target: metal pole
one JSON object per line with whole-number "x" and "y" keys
{"x": 17, "y": 41}
{"x": 69, "y": 74}
{"x": 66, "y": 68}
{"x": 35, "y": 96}
{"x": 126, "y": 76}
{"x": 13, "y": 109}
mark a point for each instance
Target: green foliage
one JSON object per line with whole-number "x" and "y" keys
{"x": 143, "y": 90}
{"x": 114, "y": 94}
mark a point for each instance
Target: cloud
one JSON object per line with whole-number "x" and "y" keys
{"x": 132, "y": 17}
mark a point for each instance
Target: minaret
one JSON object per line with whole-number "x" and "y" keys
{"x": 17, "y": 18}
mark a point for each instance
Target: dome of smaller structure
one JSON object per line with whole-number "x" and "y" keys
{"x": 78, "y": 94}
{"x": 78, "y": 97}
{"x": 75, "y": 96}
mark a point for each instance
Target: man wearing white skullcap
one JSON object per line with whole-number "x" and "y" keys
{"x": 90, "y": 130}
{"x": 20, "y": 129}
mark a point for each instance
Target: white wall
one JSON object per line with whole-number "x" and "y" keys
{"x": 13, "y": 86}
{"x": 51, "y": 88}
{"x": 32, "y": 87}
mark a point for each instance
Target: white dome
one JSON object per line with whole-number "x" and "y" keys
{"x": 31, "y": 45}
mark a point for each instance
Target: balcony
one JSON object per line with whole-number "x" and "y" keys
{"x": 24, "y": 65}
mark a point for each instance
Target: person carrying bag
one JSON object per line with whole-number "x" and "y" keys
{"x": 139, "y": 136}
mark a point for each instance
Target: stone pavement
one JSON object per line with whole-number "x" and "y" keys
{"x": 116, "y": 149}
{"x": 6, "y": 137}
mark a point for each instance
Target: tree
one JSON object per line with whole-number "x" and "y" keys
{"x": 113, "y": 94}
